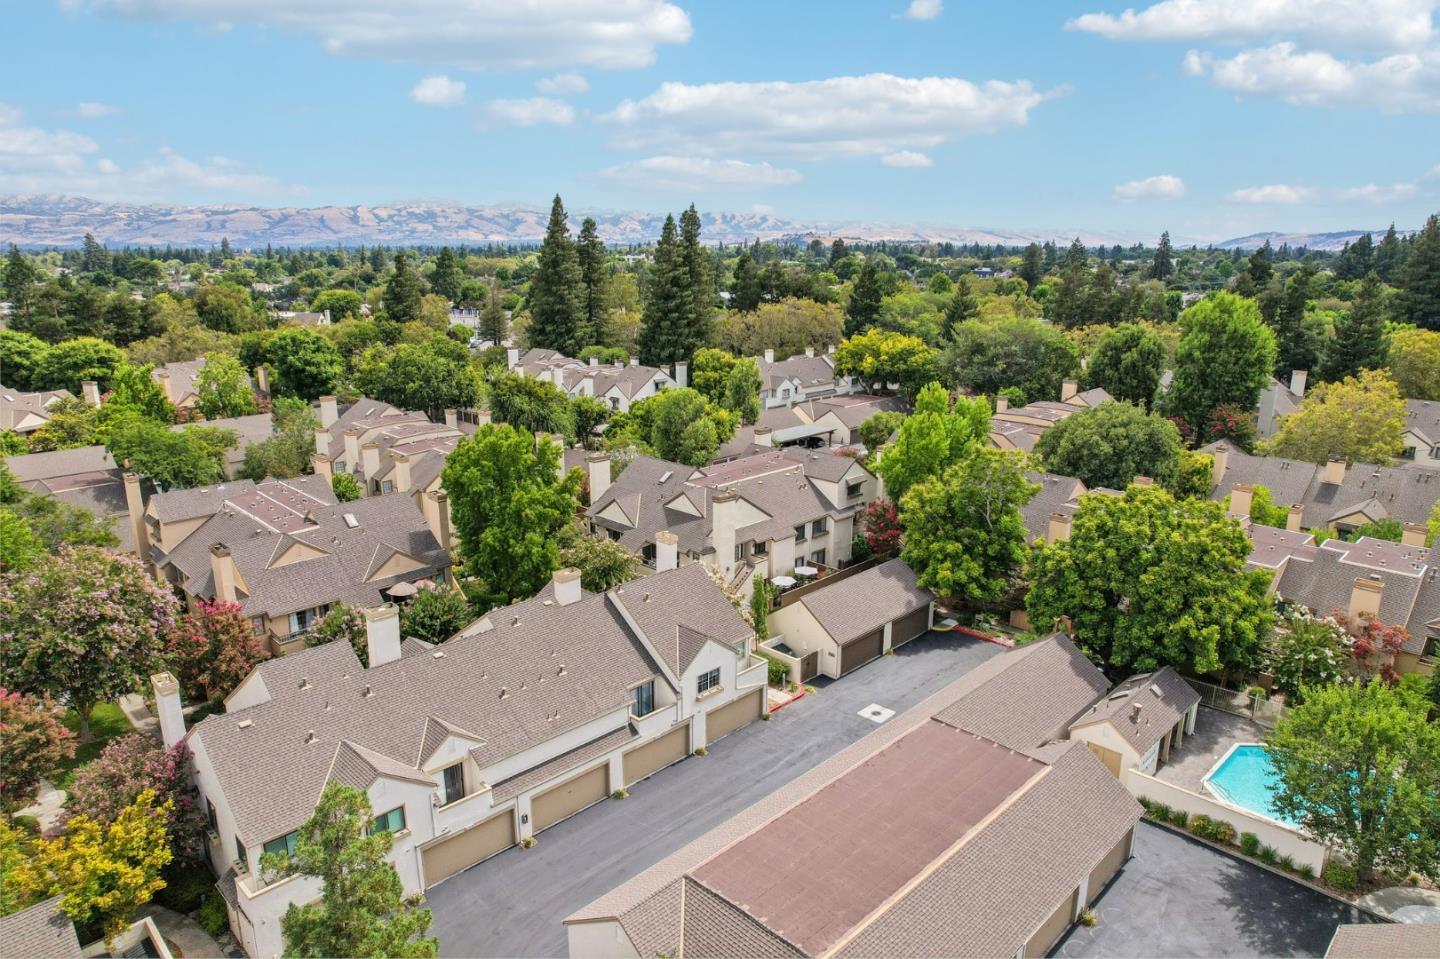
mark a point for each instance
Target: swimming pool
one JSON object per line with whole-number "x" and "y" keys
{"x": 1246, "y": 778}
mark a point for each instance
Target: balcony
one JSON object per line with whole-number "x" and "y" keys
{"x": 752, "y": 672}
{"x": 656, "y": 721}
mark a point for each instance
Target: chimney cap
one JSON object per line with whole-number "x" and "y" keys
{"x": 375, "y": 614}
{"x": 566, "y": 574}
{"x": 165, "y": 684}
{"x": 219, "y": 549}
{"x": 667, "y": 537}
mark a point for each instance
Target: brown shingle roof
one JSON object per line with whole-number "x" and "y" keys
{"x": 1163, "y": 697}
{"x": 39, "y": 932}
{"x": 856, "y": 605}
{"x": 1385, "y": 940}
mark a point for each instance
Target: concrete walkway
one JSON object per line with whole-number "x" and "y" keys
{"x": 1405, "y": 904}
{"x": 183, "y": 933}
{"x": 48, "y": 807}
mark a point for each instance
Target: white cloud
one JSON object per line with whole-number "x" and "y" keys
{"x": 1372, "y": 193}
{"x": 29, "y": 151}
{"x": 1352, "y": 24}
{"x": 1400, "y": 83}
{"x": 439, "y": 91}
{"x": 91, "y": 110}
{"x": 923, "y": 9}
{"x": 1275, "y": 193}
{"x": 1163, "y": 187}
{"x": 467, "y": 34}
{"x": 530, "y": 112}
{"x": 563, "y": 85}
{"x": 699, "y": 174}
{"x": 867, "y": 115}
{"x": 904, "y": 158}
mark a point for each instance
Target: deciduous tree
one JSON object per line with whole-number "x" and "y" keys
{"x": 884, "y": 360}
{"x": 1127, "y": 363}
{"x": 1110, "y": 444}
{"x": 33, "y": 742}
{"x": 1225, "y": 357}
{"x": 532, "y": 405}
{"x": 992, "y": 355}
{"x": 108, "y": 785}
{"x": 936, "y": 436}
{"x": 603, "y": 563}
{"x": 222, "y": 389}
{"x": 1360, "y": 418}
{"x": 742, "y": 391}
{"x": 434, "y": 615}
{"x": 66, "y": 365}
{"x": 213, "y": 648}
{"x": 306, "y": 364}
{"x": 678, "y": 425}
{"x": 1415, "y": 363}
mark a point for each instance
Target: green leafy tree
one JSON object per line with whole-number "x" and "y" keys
{"x": 668, "y": 331}
{"x": 557, "y": 307}
{"x": 287, "y": 452}
{"x": 786, "y": 327}
{"x": 1419, "y": 280}
{"x": 964, "y": 533}
{"x": 1069, "y": 306}
{"x": 227, "y": 308}
{"x": 342, "y": 304}
{"x": 963, "y": 306}
{"x": 509, "y": 505}
{"x": 1032, "y": 269}
{"x": 72, "y": 423}
{"x": 1306, "y": 650}
{"x": 678, "y": 425}
{"x": 20, "y": 358}
{"x": 20, "y": 548}
{"x": 1263, "y": 510}
{"x": 343, "y": 624}
{"x": 709, "y": 371}
{"x": 862, "y": 311}
{"x": 587, "y": 413}
{"x": 306, "y": 364}
{"x": 1414, "y": 362}
{"x": 1225, "y": 357}
{"x": 742, "y": 391}
{"x": 85, "y": 625}
{"x": 363, "y": 910}
{"x": 988, "y": 356}
{"x": 430, "y": 377}
{"x": 222, "y": 389}
{"x": 882, "y": 359}
{"x": 1147, "y": 580}
{"x": 66, "y": 365}
{"x": 402, "y": 294}
{"x": 33, "y": 742}
{"x": 1360, "y": 341}
{"x": 936, "y": 436}
{"x": 1360, "y": 418}
{"x": 876, "y": 431}
{"x": 434, "y": 615}
{"x": 531, "y": 405}
{"x": 447, "y": 277}
{"x": 19, "y": 283}
{"x": 603, "y": 563}
{"x": 176, "y": 459}
{"x": 345, "y": 487}
{"x": 1359, "y": 766}
{"x": 1110, "y": 444}
{"x": 1127, "y": 363}
{"x": 135, "y": 390}
{"x": 213, "y": 649}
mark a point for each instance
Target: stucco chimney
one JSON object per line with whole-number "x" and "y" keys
{"x": 1365, "y": 598}
{"x": 1295, "y": 517}
{"x": 370, "y": 459}
{"x": 810, "y": 352}
{"x": 452, "y": 419}
{"x": 764, "y": 436}
{"x": 1413, "y": 535}
{"x": 400, "y": 474}
{"x": 512, "y": 357}
{"x": 598, "y": 466}
{"x": 222, "y": 571}
{"x": 436, "y": 508}
{"x": 682, "y": 374}
{"x": 559, "y": 441}
{"x": 667, "y": 551}
{"x": 135, "y": 507}
{"x": 769, "y": 356}
{"x": 1297, "y": 381}
{"x": 725, "y": 519}
{"x": 567, "y": 586}
{"x": 163, "y": 377}
{"x": 1240, "y": 496}
{"x": 1335, "y": 471}
{"x": 352, "y": 448}
{"x": 382, "y": 634}
{"x": 329, "y": 411}
{"x": 1068, "y": 389}
{"x": 594, "y": 361}
{"x": 262, "y": 379}
{"x": 1220, "y": 459}
{"x": 1059, "y": 528}
{"x": 90, "y": 392}
{"x": 1002, "y": 403}
{"x": 168, "y": 706}
{"x": 322, "y": 466}
{"x": 1142, "y": 481}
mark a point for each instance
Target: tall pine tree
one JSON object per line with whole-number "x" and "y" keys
{"x": 1164, "y": 263}
{"x": 494, "y": 325}
{"x": 20, "y": 276}
{"x": 665, "y": 330}
{"x": 591, "y": 253}
{"x": 964, "y": 305}
{"x": 447, "y": 277}
{"x": 702, "y": 285}
{"x": 556, "y": 291}
{"x": 1389, "y": 256}
{"x": 1069, "y": 304}
{"x": 1032, "y": 267}
{"x": 863, "y": 310}
{"x": 1294, "y": 350}
{"x": 401, "y": 297}
{"x": 1419, "y": 280}
{"x": 745, "y": 285}
{"x": 1360, "y": 341}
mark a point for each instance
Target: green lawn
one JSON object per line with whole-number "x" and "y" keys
{"x": 106, "y": 722}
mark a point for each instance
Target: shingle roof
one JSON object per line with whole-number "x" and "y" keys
{"x": 1324, "y": 578}
{"x": 1423, "y": 416}
{"x": 41, "y": 466}
{"x": 1385, "y": 940}
{"x": 679, "y": 612}
{"x": 1163, "y": 697}
{"x": 1058, "y": 494}
{"x": 39, "y": 932}
{"x": 856, "y": 605}
{"x": 16, "y": 406}
{"x": 808, "y": 371}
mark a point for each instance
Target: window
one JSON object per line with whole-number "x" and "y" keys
{"x": 647, "y": 554}
{"x": 707, "y": 682}
{"x": 739, "y": 551}
{"x": 1408, "y": 453}
{"x": 388, "y": 486}
{"x": 305, "y": 618}
{"x": 257, "y": 625}
{"x": 817, "y": 558}
{"x": 800, "y": 533}
{"x": 339, "y": 466}
{"x": 392, "y": 821}
{"x": 760, "y": 548}
{"x": 241, "y": 857}
{"x": 285, "y": 844}
{"x": 454, "y": 783}
{"x": 819, "y": 527}
{"x": 642, "y": 699}
{"x": 614, "y": 535}
{"x": 854, "y": 489}
{"x": 210, "y": 816}
{"x": 742, "y": 649}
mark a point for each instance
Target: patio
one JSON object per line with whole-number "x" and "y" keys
{"x": 1215, "y": 732}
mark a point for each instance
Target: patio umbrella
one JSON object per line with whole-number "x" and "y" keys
{"x": 806, "y": 570}
{"x": 784, "y": 582}
{"x": 402, "y": 589}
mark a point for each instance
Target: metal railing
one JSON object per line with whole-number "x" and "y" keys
{"x": 1237, "y": 702}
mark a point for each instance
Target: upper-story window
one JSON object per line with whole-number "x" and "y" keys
{"x": 285, "y": 844}
{"x": 707, "y": 681}
{"x": 742, "y": 649}
{"x": 241, "y": 856}
{"x": 854, "y": 489}
{"x": 800, "y": 533}
{"x": 642, "y": 699}
{"x": 454, "y": 781}
{"x": 819, "y": 527}
{"x": 387, "y": 486}
{"x": 392, "y": 821}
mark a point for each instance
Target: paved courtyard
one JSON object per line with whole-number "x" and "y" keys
{"x": 1179, "y": 897}
{"x": 1215, "y": 732}
{"x": 512, "y": 905}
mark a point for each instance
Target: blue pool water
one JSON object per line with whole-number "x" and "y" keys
{"x": 1247, "y": 779}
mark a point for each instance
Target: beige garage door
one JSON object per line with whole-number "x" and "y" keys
{"x": 462, "y": 850}
{"x": 657, "y": 754}
{"x": 908, "y": 627}
{"x": 1108, "y": 866}
{"x": 861, "y": 651}
{"x": 1053, "y": 929}
{"x": 730, "y": 717}
{"x": 568, "y": 798}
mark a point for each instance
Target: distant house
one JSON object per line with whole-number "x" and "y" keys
{"x": 87, "y": 477}
{"x": 800, "y": 378}
{"x": 1021, "y": 428}
{"x": 1422, "y": 433}
{"x": 177, "y": 380}
{"x": 1278, "y": 401}
{"x": 293, "y": 318}
{"x": 24, "y": 413}
{"x": 618, "y": 385}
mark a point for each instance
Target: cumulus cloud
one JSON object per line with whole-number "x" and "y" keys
{"x": 439, "y": 91}
{"x": 468, "y": 34}
{"x": 923, "y": 9}
{"x": 91, "y": 110}
{"x": 1373, "y": 193}
{"x": 563, "y": 85}
{"x": 529, "y": 112}
{"x": 1354, "y": 24}
{"x": 1163, "y": 187}
{"x": 1275, "y": 193}
{"x": 699, "y": 174}
{"x": 875, "y": 114}
{"x": 904, "y": 158}
{"x": 1400, "y": 83}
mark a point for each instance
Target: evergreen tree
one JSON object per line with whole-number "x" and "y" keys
{"x": 697, "y": 267}
{"x": 94, "y": 258}
{"x": 556, "y": 307}
{"x": 401, "y": 298}
{"x": 590, "y": 251}
{"x": 1163, "y": 264}
{"x": 1388, "y": 255}
{"x": 20, "y": 276}
{"x": 665, "y": 330}
{"x": 1419, "y": 280}
{"x": 838, "y": 251}
{"x": 1360, "y": 341}
{"x": 1069, "y": 303}
{"x": 494, "y": 326}
{"x": 1357, "y": 259}
{"x": 745, "y": 286}
{"x": 1032, "y": 271}
{"x": 448, "y": 277}
{"x": 1257, "y": 272}
{"x": 863, "y": 310}
{"x": 964, "y": 305}
{"x": 1294, "y": 351}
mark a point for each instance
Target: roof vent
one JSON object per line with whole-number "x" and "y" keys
{"x": 438, "y": 654}
{"x": 310, "y": 737}
{"x": 305, "y": 682}
{"x": 515, "y": 621}
{"x": 647, "y": 597}
{"x": 548, "y": 602}
{"x": 504, "y": 693}
{"x": 1135, "y": 710}
{"x": 368, "y": 692}
{"x": 351, "y": 520}
{"x": 1156, "y": 690}
{"x": 561, "y": 670}
{"x": 245, "y": 724}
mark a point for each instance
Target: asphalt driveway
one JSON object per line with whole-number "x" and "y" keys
{"x": 1179, "y": 897}
{"x": 512, "y": 905}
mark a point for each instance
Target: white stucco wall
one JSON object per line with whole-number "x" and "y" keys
{"x": 599, "y": 940}
{"x": 804, "y": 634}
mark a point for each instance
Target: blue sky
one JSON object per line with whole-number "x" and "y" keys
{"x": 1210, "y": 118}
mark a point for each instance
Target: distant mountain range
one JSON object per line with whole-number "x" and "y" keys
{"x": 42, "y": 220}
{"x": 1315, "y": 241}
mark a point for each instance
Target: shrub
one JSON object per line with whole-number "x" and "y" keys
{"x": 1305, "y": 871}
{"x": 110, "y": 784}
{"x": 777, "y": 673}
{"x": 1201, "y": 825}
{"x": 1340, "y": 875}
{"x": 1286, "y": 862}
{"x": 1178, "y": 817}
{"x": 26, "y": 824}
{"x": 1249, "y": 843}
{"x": 1267, "y": 855}
{"x": 620, "y": 794}
{"x": 213, "y": 915}
{"x": 1088, "y": 919}
{"x": 1223, "y": 832}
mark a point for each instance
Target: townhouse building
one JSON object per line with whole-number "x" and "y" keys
{"x": 386, "y": 449}
{"x": 618, "y": 385}
{"x": 800, "y": 378}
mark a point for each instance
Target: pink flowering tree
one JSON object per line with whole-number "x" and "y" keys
{"x": 126, "y": 767}
{"x": 33, "y": 742}
{"x": 85, "y": 625}
{"x": 1373, "y": 646}
{"x": 880, "y": 522}
{"x": 213, "y": 648}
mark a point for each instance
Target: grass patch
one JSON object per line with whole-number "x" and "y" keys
{"x": 107, "y": 721}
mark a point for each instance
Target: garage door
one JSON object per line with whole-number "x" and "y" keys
{"x": 568, "y": 798}
{"x": 730, "y": 717}
{"x": 908, "y": 627}
{"x": 1108, "y": 866}
{"x": 1054, "y": 928}
{"x": 453, "y": 853}
{"x": 861, "y": 651}
{"x": 657, "y": 754}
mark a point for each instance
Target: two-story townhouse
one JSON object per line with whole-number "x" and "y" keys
{"x": 763, "y": 514}
{"x": 527, "y": 716}
{"x": 1020, "y": 428}
{"x": 618, "y": 385}
{"x": 386, "y": 449}
{"x": 800, "y": 378}
{"x": 178, "y": 381}
{"x": 23, "y": 412}
{"x": 1421, "y": 439}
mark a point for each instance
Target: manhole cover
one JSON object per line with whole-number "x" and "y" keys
{"x": 877, "y": 713}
